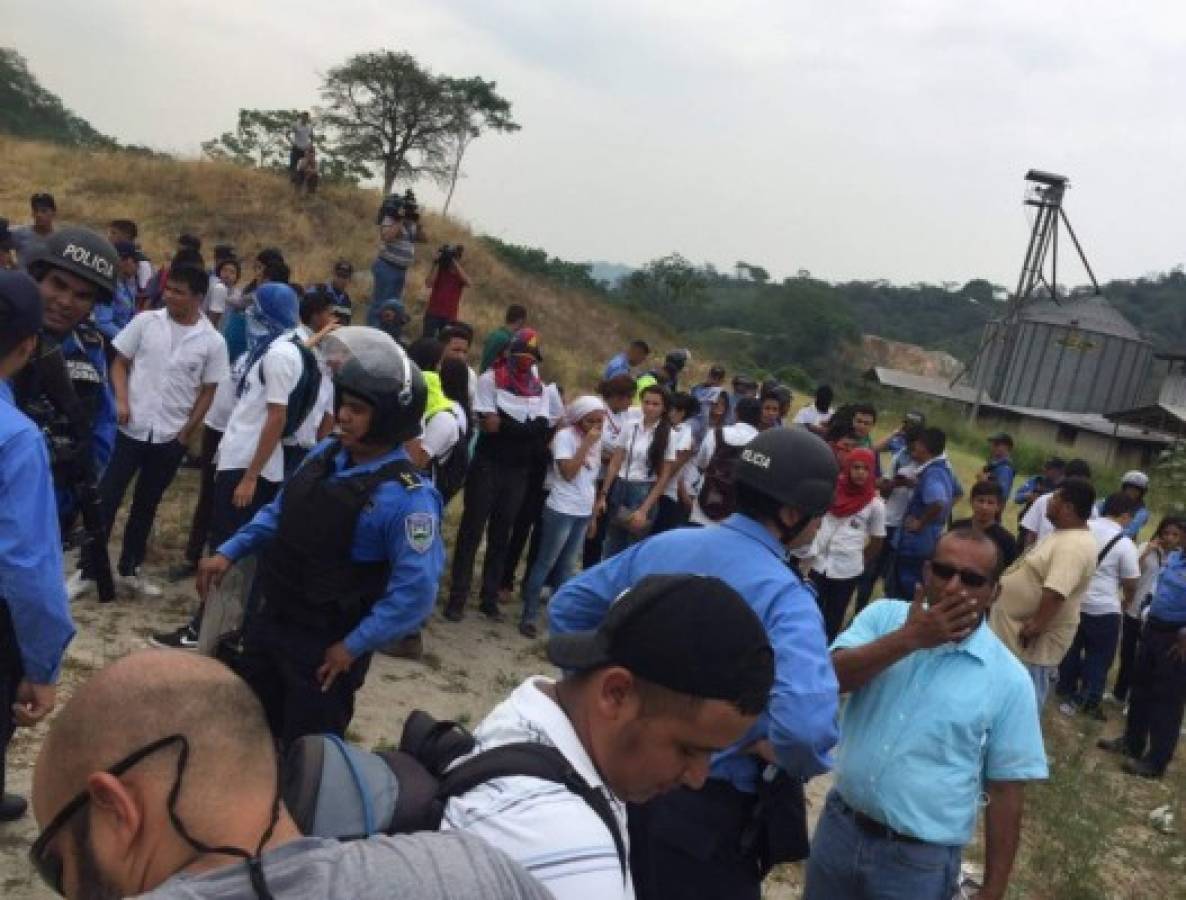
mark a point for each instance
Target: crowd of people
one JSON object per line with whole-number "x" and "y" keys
{"x": 709, "y": 562}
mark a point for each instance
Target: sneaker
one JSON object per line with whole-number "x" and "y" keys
{"x": 454, "y": 612}
{"x": 181, "y": 572}
{"x": 1067, "y": 708}
{"x": 492, "y": 612}
{"x": 1113, "y": 699}
{"x": 1141, "y": 768}
{"x": 528, "y": 630}
{"x": 138, "y": 584}
{"x": 183, "y": 638}
{"x": 78, "y": 586}
{"x": 12, "y": 807}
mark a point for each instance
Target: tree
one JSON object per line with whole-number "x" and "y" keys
{"x": 667, "y": 285}
{"x": 261, "y": 139}
{"x": 383, "y": 108}
{"x": 28, "y": 110}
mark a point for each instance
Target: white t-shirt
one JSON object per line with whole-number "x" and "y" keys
{"x": 681, "y": 436}
{"x": 838, "y": 550}
{"x": 490, "y": 399}
{"x": 144, "y": 273}
{"x": 1151, "y": 567}
{"x": 306, "y": 435}
{"x": 1103, "y": 593}
{"x": 611, "y": 427}
{"x": 735, "y": 436}
{"x": 575, "y": 497}
{"x": 1035, "y": 518}
{"x": 170, "y": 363}
{"x": 546, "y": 828}
{"x": 441, "y": 433}
{"x": 302, "y": 135}
{"x": 809, "y": 415}
{"x": 899, "y": 498}
{"x": 634, "y": 441}
{"x": 215, "y": 299}
{"x": 281, "y": 367}
{"x": 225, "y": 397}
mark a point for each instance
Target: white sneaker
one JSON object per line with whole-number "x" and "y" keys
{"x": 1067, "y": 709}
{"x": 78, "y": 586}
{"x": 138, "y": 584}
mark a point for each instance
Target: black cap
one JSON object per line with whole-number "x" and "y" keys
{"x": 1001, "y": 437}
{"x": 717, "y": 371}
{"x": 20, "y": 308}
{"x": 692, "y": 634}
{"x": 43, "y": 200}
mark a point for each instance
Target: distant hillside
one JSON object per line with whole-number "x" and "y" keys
{"x": 609, "y": 273}
{"x": 252, "y": 208}
{"x": 28, "y": 110}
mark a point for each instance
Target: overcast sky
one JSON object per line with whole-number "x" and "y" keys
{"x": 866, "y": 139}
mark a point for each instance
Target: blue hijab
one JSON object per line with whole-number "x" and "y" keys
{"x": 274, "y": 312}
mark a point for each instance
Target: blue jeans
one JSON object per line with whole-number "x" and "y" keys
{"x": 388, "y": 285}
{"x": 624, "y": 495}
{"x": 907, "y": 574}
{"x": 561, "y": 539}
{"x": 850, "y": 863}
{"x": 1084, "y": 669}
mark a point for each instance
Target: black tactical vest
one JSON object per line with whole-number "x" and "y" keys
{"x": 307, "y": 574}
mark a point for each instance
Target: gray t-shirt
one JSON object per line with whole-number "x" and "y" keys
{"x": 431, "y": 866}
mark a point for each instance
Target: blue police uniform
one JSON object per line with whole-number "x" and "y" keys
{"x": 1002, "y": 471}
{"x": 86, "y": 364}
{"x": 396, "y": 536}
{"x": 35, "y": 625}
{"x": 110, "y": 318}
{"x": 799, "y": 721}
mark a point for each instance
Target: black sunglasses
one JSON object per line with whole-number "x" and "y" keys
{"x": 967, "y": 578}
{"x": 48, "y": 863}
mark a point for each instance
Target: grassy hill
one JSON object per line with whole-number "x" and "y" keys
{"x": 252, "y": 209}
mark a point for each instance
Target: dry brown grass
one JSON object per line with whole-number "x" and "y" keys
{"x": 253, "y": 209}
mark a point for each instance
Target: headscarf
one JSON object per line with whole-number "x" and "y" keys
{"x": 514, "y": 371}
{"x": 849, "y": 498}
{"x": 274, "y": 312}
{"x": 577, "y": 410}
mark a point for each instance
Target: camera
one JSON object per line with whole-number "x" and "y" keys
{"x": 448, "y": 254}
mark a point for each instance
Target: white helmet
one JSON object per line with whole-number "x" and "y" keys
{"x": 1135, "y": 479}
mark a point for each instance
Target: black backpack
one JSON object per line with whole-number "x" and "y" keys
{"x": 718, "y": 495}
{"x": 303, "y": 396}
{"x": 449, "y": 476}
{"x": 336, "y": 790}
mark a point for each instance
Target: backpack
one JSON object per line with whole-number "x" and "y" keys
{"x": 336, "y": 790}
{"x": 449, "y": 476}
{"x": 303, "y": 396}
{"x": 718, "y": 495}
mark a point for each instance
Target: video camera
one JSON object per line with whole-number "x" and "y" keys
{"x": 399, "y": 207}
{"x": 448, "y": 254}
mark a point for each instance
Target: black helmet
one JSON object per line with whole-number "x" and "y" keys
{"x": 677, "y": 359}
{"x": 792, "y": 466}
{"x": 80, "y": 252}
{"x": 369, "y": 364}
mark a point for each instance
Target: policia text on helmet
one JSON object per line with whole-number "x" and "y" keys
{"x": 785, "y": 478}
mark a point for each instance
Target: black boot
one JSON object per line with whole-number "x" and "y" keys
{"x": 12, "y": 807}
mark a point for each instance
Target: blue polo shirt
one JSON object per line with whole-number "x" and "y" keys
{"x": 800, "y": 718}
{"x": 1169, "y": 600}
{"x": 918, "y": 742}
{"x": 619, "y": 365}
{"x": 1003, "y": 473}
{"x": 935, "y": 484}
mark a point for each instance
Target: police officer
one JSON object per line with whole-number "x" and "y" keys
{"x": 35, "y": 625}
{"x": 692, "y": 844}
{"x": 75, "y": 271}
{"x": 350, "y": 550}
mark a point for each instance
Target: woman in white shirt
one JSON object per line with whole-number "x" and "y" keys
{"x": 848, "y": 539}
{"x": 617, "y": 393}
{"x": 1153, "y": 555}
{"x": 676, "y": 503}
{"x": 642, "y": 463}
{"x": 576, "y": 457}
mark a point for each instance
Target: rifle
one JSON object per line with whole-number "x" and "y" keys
{"x": 53, "y": 381}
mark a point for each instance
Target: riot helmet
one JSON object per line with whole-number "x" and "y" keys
{"x": 370, "y": 365}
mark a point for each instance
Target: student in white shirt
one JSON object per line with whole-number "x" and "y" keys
{"x": 679, "y": 668}
{"x": 317, "y": 320}
{"x": 676, "y": 503}
{"x": 643, "y": 460}
{"x": 576, "y": 457}
{"x": 849, "y": 538}
{"x": 1035, "y": 524}
{"x": 175, "y": 359}
{"x": 1084, "y": 669}
{"x": 736, "y": 436}
{"x": 816, "y": 415}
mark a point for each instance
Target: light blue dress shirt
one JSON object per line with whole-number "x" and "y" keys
{"x": 800, "y": 718}
{"x": 1169, "y": 599}
{"x": 918, "y": 741}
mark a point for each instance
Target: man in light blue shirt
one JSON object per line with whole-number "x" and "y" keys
{"x": 687, "y": 843}
{"x": 939, "y": 711}
{"x": 628, "y": 361}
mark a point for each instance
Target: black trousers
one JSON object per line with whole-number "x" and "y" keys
{"x": 11, "y": 673}
{"x": 154, "y": 467}
{"x": 293, "y": 457}
{"x": 879, "y": 569}
{"x": 225, "y": 517}
{"x": 493, "y": 496}
{"x": 199, "y": 526}
{"x": 833, "y": 596}
{"x": 686, "y": 845}
{"x": 526, "y": 527}
{"x": 592, "y": 552}
{"x": 280, "y": 662}
{"x": 1130, "y": 637}
{"x": 1157, "y": 697}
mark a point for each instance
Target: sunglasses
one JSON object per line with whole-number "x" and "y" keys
{"x": 967, "y": 578}
{"x": 47, "y": 862}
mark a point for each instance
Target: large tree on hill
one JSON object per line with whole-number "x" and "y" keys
{"x": 384, "y": 108}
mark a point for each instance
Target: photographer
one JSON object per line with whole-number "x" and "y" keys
{"x": 446, "y": 281}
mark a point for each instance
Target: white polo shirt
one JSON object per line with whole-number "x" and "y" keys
{"x": 1120, "y": 563}
{"x": 546, "y": 828}
{"x": 1035, "y": 519}
{"x": 169, "y": 365}
{"x": 838, "y": 550}
{"x": 634, "y": 441}
{"x": 281, "y": 366}
{"x": 575, "y": 497}
{"x": 306, "y": 435}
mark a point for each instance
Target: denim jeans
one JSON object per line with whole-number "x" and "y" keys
{"x": 153, "y": 466}
{"x": 850, "y": 863}
{"x": 1084, "y": 669}
{"x": 561, "y": 539}
{"x": 1043, "y": 678}
{"x": 624, "y": 495}
{"x": 907, "y": 575}
{"x": 388, "y": 285}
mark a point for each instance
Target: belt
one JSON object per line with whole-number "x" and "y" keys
{"x": 872, "y": 827}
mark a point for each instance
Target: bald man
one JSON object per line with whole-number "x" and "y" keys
{"x": 159, "y": 779}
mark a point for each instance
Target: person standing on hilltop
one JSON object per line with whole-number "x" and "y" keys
{"x": 302, "y": 140}
{"x": 30, "y": 240}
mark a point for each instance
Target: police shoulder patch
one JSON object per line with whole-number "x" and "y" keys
{"x": 421, "y": 530}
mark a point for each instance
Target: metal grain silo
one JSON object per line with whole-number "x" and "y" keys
{"x": 1075, "y": 356}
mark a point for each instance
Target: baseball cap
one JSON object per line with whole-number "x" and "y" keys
{"x": 20, "y": 307}
{"x": 43, "y": 200}
{"x": 692, "y": 634}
